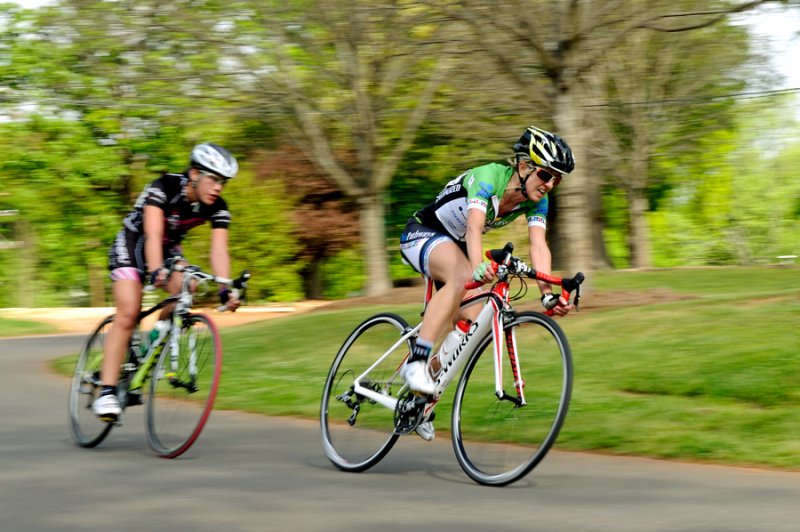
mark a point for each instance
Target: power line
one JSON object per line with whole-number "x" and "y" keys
{"x": 697, "y": 100}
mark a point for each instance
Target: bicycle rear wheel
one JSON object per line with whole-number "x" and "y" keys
{"x": 498, "y": 441}
{"x": 86, "y": 428}
{"x": 357, "y": 432}
{"x": 183, "y": 386}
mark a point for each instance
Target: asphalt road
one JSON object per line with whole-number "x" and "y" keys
{"x": 250, "y": 472}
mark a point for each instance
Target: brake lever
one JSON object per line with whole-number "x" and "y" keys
{"x": 241, "y": 282}
{"x": 573, "y": 285}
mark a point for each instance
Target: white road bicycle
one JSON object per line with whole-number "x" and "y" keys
{"x": 502, "y": 424}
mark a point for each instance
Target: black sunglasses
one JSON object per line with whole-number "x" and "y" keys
{"x": 544, "y": 175}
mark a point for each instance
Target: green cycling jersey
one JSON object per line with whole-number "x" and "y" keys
{"x": 480, "y": 188}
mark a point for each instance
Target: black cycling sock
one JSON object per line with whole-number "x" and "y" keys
{"x": 108, "y": 390}
{"x": 421, "y": 351}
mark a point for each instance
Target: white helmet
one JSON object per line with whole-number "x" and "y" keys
{"x": 215, "y": 159}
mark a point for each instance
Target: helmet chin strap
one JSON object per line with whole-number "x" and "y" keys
{"x": 522, "y": 181}
{"x": 193, "y": 183}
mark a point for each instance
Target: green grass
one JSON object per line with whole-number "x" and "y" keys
{"x": 9, "y": 327}
{"x": 715, "y": 378}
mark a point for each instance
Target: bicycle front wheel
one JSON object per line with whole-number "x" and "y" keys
{"x": 357, "y": 431}
{"x": 499, "y": 441}
{"x": 183, "y": 386}
{"x": 86, "y": 428}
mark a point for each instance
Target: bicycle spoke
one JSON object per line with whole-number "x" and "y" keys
{"x": 498, "y": 441}
{"x": 85, "y": 427}
{"x": 183, "y": 387}
{"x": 357, "y": 430}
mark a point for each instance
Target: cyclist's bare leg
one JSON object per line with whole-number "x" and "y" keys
{"x": 173, "y": 287}
{"x": 471, "y": 312}
{"x": 447, "y": 264}
{"x": 128, "y": 301}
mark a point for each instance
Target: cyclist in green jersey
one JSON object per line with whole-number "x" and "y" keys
{"x": 443, "y": 241}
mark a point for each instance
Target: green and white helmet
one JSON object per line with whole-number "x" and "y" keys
{"x": 546, "y": 149}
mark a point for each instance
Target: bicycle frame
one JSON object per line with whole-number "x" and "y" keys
{"x": 183, "y": 303}
{"x": 479, "y": 417}
{"x": 489, "y": 318}
{"x": 154, "y": 350}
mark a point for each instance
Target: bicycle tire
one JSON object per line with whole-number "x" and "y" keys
{"x": 86, "y": 428}
{"x": 183, "y": 387}
{"x": 496, "y": 441}
{"x": 357, "y": 432}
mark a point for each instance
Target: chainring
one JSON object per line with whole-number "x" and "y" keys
{"x": 409, "y": 411}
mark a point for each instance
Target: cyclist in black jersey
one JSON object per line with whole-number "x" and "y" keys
{"x": 444, "y": 240}
{"x": 152, "y": 232}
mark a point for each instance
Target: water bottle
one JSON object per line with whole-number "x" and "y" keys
{"x": 137, "y": 350}
{"x": 158, "y": 329}
{"x": 445, "y": 355}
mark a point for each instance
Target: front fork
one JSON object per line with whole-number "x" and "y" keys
{"x": 507, "y": 335}
{"x": 190, "y": 384}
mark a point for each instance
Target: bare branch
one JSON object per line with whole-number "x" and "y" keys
{"x": 649, "y": 22}
{"x": 389, "y": 164}
{"x": 720, "y": 14}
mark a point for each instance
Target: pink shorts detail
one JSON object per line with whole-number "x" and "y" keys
{"x": 126, "y": 274}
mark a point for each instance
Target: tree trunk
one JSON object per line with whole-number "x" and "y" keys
{"x": 312, "y": 284}
{"x": 97, "y": 295}
{"x": 600, "y": 258}
{"x": 95, "y": 270}
{"x": 373, "y": 237}
{"x": 639, "y": 239}
{"x": 27, "y": 264}
{"x": 574, "y": 228}
{"x": 639, "y": 235}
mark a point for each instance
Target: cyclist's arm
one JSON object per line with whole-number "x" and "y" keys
{"x": 476, "y": 219}
{"x": 219, "y": 258}
{"x": 221, "y": 265}
{"x": 154, "y": 237}
{"x": 541, "y": 259}
{"x": 481, "y": 184}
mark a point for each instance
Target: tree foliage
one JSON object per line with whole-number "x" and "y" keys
{"x": 64, "y": 186}
{"x": 342, "y": 110}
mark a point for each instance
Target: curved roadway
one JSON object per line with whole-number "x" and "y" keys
{"x": 249, "y": 472}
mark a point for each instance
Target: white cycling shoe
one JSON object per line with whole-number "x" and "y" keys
{"x": 417, "y": 377}
{"x": 107, "y": 408}
{"x": 426, "y": 431}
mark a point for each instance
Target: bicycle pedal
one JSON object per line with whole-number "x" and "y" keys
{"x": 408, "y": 412}
{"x": 134, "y": 399}
{"x": 111, "y": 419}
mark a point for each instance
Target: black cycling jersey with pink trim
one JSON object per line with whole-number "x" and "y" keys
{"x": 168, "y": 193}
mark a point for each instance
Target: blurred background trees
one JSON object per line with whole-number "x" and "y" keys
{"x": 348, "y": 116}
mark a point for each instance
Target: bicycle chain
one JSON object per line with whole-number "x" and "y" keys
{"x": 409, "y": 412}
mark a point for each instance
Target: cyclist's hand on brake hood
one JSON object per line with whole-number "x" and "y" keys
{"x": 484, "y": 273}
{"x": 557, "y": 304}
{"x": 229, "y": 299}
